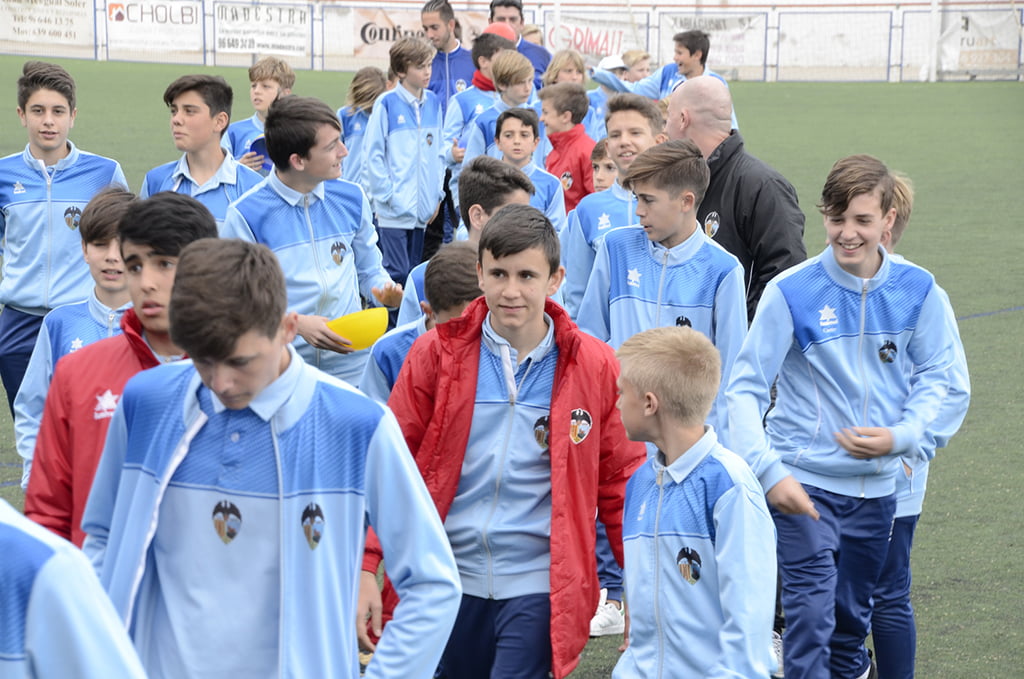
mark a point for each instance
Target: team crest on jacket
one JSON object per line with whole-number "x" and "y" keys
{"x": 688, "y": 561}
{"x": 566, "y": 180}
{"x": 580, "y": 423}
{"x": 338, "y": 250}
{"x": 711, "y": 224}
{"x": 227, "y": 520}
{"x": 460, "y": 84}
{"x": 683, "y": 322}
{"x": 430, "y": 139}
{"x": 71, "y": 217}
{"x": 887, "y": 352}
{"x": 542, "y": 431}
{"x": 313, "y": 524}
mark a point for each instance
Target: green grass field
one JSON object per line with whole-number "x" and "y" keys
{"x": 963, "y": 146}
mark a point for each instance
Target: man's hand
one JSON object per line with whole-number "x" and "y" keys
{"x": 390, "y": 295}
{"x": 368, "y": 607}
{"x": 458, "y": 153}
{"x": 314, "y": 330}
{"x": 789, "y": 497}
{"x": 252, "y": 160}
{"x": 865, "y": 443}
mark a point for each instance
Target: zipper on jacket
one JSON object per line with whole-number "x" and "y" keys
{"x": 281, "y": 650}
{"x": 860, "y": 363}
{"x": 110, "y": 323}
{"x": 49, "y": 231}
{"x": 661, "y": 287}
{"x": 316, "y": 263}
{"x": 657, "y": 575}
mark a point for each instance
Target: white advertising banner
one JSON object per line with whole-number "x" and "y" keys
{"x": 155, "y": 25}
{"x": 373, "y": 30}
{"x": 264, "y": 28}
{"x": 981, "y": 41}
{"x": 596, "y": 34}
{"x": 42, "y": 22}
{"x": 737, "y": 40}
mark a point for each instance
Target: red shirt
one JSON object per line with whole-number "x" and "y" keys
{"x": 569, "y": 160}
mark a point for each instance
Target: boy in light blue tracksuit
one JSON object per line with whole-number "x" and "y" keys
{"x": 367, "y": 84}
{"x": 634, "y": 125}
{"x": 200, "y": 112}
{"x": 320, "y": 227}
{"x": 862, "y": 350}
{"x": 666, "y": 271}
{"x": 270, "y": 78}
{"x": 44, "y": 191}
{"x": 403, "y": 171}
{"x": 234, "y": 492}
{"x": 57, "y": 621}
{"x": 698, "y": 539}
{"x": 70, "y": 327}
{"x": 517, "y": 134}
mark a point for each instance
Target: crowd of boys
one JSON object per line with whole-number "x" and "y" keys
{"x": 584, "y": 353}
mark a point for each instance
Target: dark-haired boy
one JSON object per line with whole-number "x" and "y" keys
{"x": 517, "y": 133}
{"x": 87, "y": 384}
{"x": 70, "y": 327}
{"x": 666, "y": 271}
{"x": 200, "y": 112}
{"x": 563, "y": 107}
{"x": 234, "y": 491}
{"x": 44, "y": 191}
{"x": 319, "y": 226}
{"x": 270, "y": 78}
{"x": 509, "y": 411}
{"x": 450, "y": 284}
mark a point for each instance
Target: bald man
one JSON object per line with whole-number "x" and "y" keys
{"x": 749, "y": 208}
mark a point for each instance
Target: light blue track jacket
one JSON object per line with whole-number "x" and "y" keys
{"x": 848, "y": 352}
{"x": 39, "y": 212}
{"x": 585, "y": 228}
{"x": 55, "y": 619}
{"x": 657, "y": 85}
{"x": 637, "y": 284}
{"x": 64, "y": 330}
{"x": 403, "y": 168}
{"x": 327, "y": 247}
{"x": 353, "y": 131}
{"x": 548, "y": 195}
{"x": 700, "y": 568}
{"x": 227, "y": 185}
{"x": 340, "y": 457}
{"x": 462, "y": 108}
{"x": 481, "y": 130}
{"x": 386, "y": 358}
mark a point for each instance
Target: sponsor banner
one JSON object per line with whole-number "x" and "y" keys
{"x": 156, "y": 25}
{"x": 980, "y": 41}
{"x": 263, "y": 28}
{"x": 64, "y": 22}
{"x": 375, "y": 30}
{"x": 737, "y": 40}
{"x": 596, "y": 35}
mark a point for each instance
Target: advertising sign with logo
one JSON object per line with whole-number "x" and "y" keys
{"x": 160, "y": 25}
{"x": 265, "y": 29}
{"x": 375, "y": 30}
{"x": 597, "y": 34}
{"x": 41, "y": 22}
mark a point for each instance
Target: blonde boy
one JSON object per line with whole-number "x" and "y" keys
{"x": 270, "y": 79}
{"x": 698, "y": 539}
{"x": 513, "y": 79}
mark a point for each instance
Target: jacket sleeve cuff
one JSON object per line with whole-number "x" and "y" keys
{"x": 903, "y": 438}
{"x": 772, "y": 474}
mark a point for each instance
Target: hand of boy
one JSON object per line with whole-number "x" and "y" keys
{"x": 625, "y": 630}
{"x": 458, "y": 152}
{"x": 368, "y": 607}
{"x": 789, "y": 497}
{"x": 252, "y": 160}
{"x": 390, "y": 295}
{"x": 865, "y": 443}
{"x": 314, "y": 330}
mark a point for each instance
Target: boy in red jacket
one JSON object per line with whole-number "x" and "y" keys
{"x": 509, "y": 411}
{"x": 563, "y": 107}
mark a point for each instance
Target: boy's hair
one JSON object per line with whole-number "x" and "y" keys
{"x": 510, "y": 67}
{"x": 166, "y": 222}
{"x": 517, "y": 228}
{"x": 410, "y": 51}
{"x": 632, "y": 57}
{"x": 569, "y": 97}
{"x": 532, "y": 29}
{"x": 852, "y": 176}
{"x": 450, "y": 279}
{"x": 487, "y": 45}
{"x": 100, "y": 217}
{"x": 902, "y": 200}
{"x": 634, "y": 102}
{"x": 222, "y": 290}
{"x": 674, "y": 166}
{"x": 600, "y": 151}
{"x": 214, "y": 90}
{"x": 41, "y": 75}
{"x": 518, "y": 4}
{"x": 524, "y": 115}
{"x": 273, "y": 68}
{"x": 292, "y": 125}
{"x": 487, "y": 182}
{"x": 366, "y": 86}
{"x": 677, "y": 364}
{"x": 560, "y": 60}
{"x": 442, "y": 7}
{"x": 694, "y": 40}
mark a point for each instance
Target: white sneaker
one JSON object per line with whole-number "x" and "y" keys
{"x": 608, "y": 619}
{"x": 777, "y": 654}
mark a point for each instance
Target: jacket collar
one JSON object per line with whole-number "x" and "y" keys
{"x": 131, "y": 326}
{"x": 37, "y": 164}
{"x": 227, "y": 173}
{"x": 678, "y": 254}
{"x": 729, "y": 147}
{"x": 101, "y": 313}
{"x": 567, "y": 138}
{"x": 847, "y": 280}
